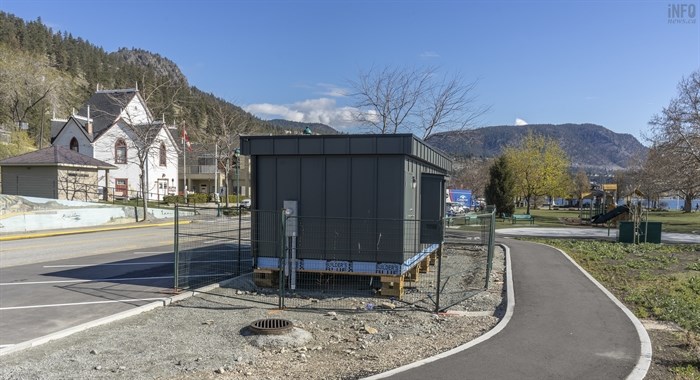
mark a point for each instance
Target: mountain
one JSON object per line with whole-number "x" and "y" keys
{"x": 142, "y": 58}
{"x": 588, "y": 145}
{"x": 316, "y": 128}
{"x": 47, "y": 72}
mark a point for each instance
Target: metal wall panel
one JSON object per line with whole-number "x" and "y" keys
{"x": 363, "y": 203}
{"x": 286, "y": 146}
{"x": 312, "y": 204}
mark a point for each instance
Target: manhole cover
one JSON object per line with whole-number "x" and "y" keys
{"x": 271, "y": 326}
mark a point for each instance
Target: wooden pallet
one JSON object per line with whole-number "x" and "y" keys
{"x": 266, "y": 278}
{"x": 392, "y": 286}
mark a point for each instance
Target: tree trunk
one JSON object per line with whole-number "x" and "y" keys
{"x": 527, "y": 200}
{"x": 688, "y": 204}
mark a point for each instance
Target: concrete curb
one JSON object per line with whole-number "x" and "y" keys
{"x": 510, "y": 295}
{"x": 102, "y": 321}
{"x": 644, "y": 362}
{"x": 86, "y": 230}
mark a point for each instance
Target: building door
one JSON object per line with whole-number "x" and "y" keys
{"x": 121, "y": 187}
{"x": 432, "y": 202}
{"x": 162, "y": 188}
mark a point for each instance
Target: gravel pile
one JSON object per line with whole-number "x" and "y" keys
{"x": 207, "y": 337}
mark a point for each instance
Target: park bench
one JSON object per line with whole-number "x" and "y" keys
{"x": 504, "y": 216}
{"x": 524, "y": 217}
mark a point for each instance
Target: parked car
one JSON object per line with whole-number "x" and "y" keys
{"x": 246, "y": 203}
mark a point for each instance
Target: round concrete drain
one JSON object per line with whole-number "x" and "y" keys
{"x": 271, "y": 326}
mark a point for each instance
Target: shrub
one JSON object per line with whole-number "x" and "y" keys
{"x": 172, "y": 199}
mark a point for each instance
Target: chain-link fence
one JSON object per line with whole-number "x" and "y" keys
{"x": 214, "y": 246}
{"x": 332, "y": 263}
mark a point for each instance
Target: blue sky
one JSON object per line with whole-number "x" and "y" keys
{"x": 614, "y": 63}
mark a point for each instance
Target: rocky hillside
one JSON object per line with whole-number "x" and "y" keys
{"x": 588, "y": 145}
{"x": 152, "y": 61}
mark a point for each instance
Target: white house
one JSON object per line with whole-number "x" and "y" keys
{"x": 116, "y": 126}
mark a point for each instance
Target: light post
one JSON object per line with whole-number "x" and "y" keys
{"x": 237, "y": 153}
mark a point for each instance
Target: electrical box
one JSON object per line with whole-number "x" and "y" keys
{"x": 291, "y": 210}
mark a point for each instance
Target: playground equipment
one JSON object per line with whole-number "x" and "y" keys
{"x": 639, "y": 229}
{"x": 603, "y": 206}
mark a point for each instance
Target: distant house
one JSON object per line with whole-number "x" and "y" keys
{"x": 54, "y": 172}
{"x": 117, "y": 127}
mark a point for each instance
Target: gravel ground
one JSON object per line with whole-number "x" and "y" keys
{"x": 206, "y": 337}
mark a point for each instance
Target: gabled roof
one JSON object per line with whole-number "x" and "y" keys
{"x": 80, "y": 122}
{"x": 106, "y": 107}
{"x": 55, "y": 156}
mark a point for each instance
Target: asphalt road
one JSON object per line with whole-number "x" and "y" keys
{"x": 43, "y": 298}
{"x": 53, "y": 283}
{"x": 44, "y": 249}
{"x": 563, "y": 327}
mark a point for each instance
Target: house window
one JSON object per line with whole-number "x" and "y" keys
{"x": 162, "y": 155}
{"x": 120, "y": 152}
{"x": 74, "y": 144}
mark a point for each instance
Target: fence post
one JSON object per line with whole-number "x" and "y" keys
{"x": 282, "y": 243}
{"x": 176, "y": 247}
{"x": 489, "y": 257}
{"x": 439, "y": 271}
{"x": 239, "y": 240}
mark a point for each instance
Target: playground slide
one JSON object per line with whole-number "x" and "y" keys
{"x": 602, "y": 218}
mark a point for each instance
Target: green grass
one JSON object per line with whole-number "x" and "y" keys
{"x": 672, "y": 221}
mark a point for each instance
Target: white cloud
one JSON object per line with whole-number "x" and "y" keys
{"x": 520, "y": 122}
{"x": 328, "y": 89}
{"x": 321, "y": 110}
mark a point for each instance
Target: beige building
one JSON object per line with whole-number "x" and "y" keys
{"x": 55, "y": 172}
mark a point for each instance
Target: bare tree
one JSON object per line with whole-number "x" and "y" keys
{"x": 471, "y": 173}
{"x": 222, "y": 139}
{"x": 676, "y": 141}
{"x": 449, "y": 105}
{"x": 581, "y": 185}
{"x": 393, "y": 100}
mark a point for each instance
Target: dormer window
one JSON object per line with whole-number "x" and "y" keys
{"x": 163, "y": 155}
{"x": 74, "y": 144}
{"x": 120, "y": 152}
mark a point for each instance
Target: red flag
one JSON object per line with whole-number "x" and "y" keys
{"x": 186, "y": 139}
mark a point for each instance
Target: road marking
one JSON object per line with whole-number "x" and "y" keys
{"x": 80, "y": 303}
{"x": 5, "y": 345}
{"x": 105, "y": 265}
{"x": 142, "y": 263}
{"x": 110, "y": 279}
{"x": 151, "y": 252}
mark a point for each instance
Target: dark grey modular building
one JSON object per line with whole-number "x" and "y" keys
{"x": 365, "y": 203}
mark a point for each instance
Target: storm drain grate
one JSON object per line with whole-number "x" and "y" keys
{"x": 271, "y": 326}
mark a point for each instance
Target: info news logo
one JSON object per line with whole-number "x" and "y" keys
{"x": 682, "y": 13}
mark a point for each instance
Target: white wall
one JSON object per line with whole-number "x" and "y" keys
{"x": 70, "y": 130}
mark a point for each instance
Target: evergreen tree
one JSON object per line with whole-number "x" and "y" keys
{"x": 501, "y": 186}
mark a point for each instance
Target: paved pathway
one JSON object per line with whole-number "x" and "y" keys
{"x": 563, "y": 327}
{"x": 588, "y": 232}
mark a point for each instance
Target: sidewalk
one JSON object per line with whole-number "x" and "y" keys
{"x": 564, "y": 326}
{"x": 587, "y": 232}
